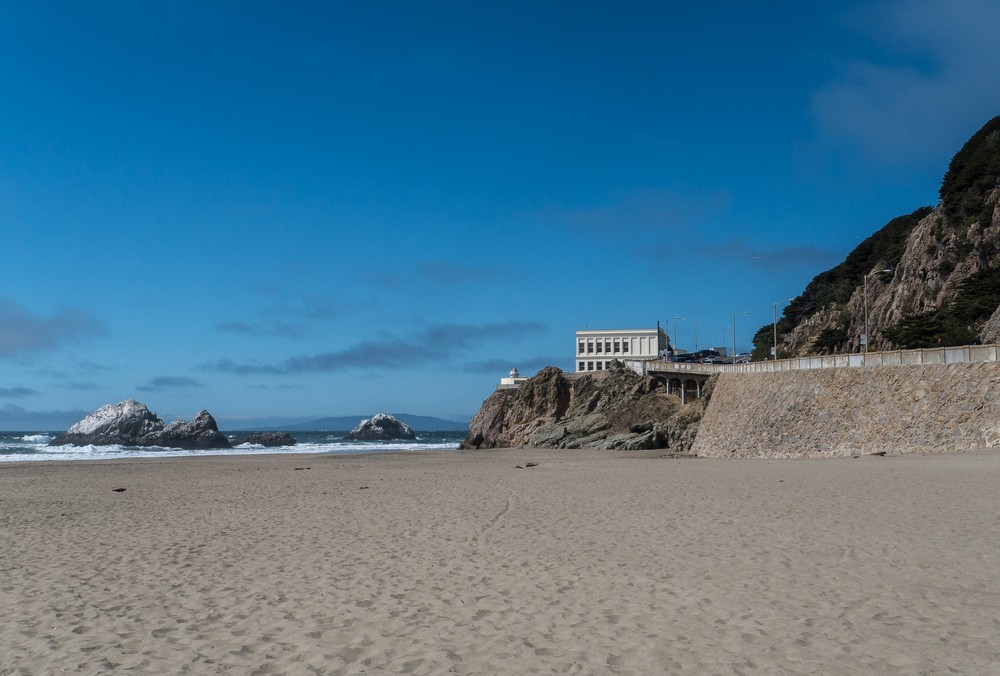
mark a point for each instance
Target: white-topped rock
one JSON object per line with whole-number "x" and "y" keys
{"x": 130, "y": 423}
{"x": 380, "y": 426}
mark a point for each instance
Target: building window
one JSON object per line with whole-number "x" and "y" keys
{"x": 607, "y": 346}
{"x": 581, "y": 347}
{"x": 590, "y": 347}
{"x": 618, "y": 347}
{"x": 625, "y": 347}
{"x": 600, "y": 364}
{"x": 599, "y": 346}
{"x": 590, "y": 366}
{"x": 580, "y": 368}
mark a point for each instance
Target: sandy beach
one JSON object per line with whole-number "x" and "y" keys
{"x": 448, "y": 562}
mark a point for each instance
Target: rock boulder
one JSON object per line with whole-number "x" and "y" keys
{"x": 380, "y": 427}
{"x": 130, "y": 423}
{"x": 267, "y": 439}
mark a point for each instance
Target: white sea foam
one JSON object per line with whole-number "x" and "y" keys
{"x": 34, "y": 447}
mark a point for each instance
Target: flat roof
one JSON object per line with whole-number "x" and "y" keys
{"x": 654, "y": 330}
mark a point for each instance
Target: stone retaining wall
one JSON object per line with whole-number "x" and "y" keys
{"x": 853, "y": 411}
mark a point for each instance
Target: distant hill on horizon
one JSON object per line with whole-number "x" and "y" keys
{"x": 345, "y": 423}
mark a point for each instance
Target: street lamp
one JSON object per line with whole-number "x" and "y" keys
{"x": 676, "y": 319}
{"x": 865, "y": 336}
{"x": 774, "y": 349}
{"x": 696, "y": 333}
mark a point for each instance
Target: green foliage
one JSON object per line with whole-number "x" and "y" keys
{"x": 831, "y": 340}
{"x": 762, "y": 343}
{"x": 977, "y": 299}
{"x": 883, "y": 249}
{"x": 974, "y": 170}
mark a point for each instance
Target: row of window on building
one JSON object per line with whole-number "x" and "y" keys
{"x": 608, "y": 346}
{"x": 596, "y": 349}
{"x": 593, "y": 365}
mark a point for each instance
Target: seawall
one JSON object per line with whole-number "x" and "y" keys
{"x": 853, "y": 411}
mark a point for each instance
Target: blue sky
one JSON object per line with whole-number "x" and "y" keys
{"x": 297, "y": 210}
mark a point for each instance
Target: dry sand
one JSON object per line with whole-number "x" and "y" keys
{"x": 592, "y": 562}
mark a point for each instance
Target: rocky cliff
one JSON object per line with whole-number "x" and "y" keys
{"x": 615, "y": 409}
{"x": 933, "y": 276}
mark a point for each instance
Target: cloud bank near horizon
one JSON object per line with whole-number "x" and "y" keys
{"x": 23, "y": 332}
{"x": 433, "y": 345}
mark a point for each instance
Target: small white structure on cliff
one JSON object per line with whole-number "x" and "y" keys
{"x": 595, "y": 350}
{"x": 512, "y": 381}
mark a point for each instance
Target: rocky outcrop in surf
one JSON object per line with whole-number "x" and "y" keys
{"x": 380, "y": 427}
{"x": 131, "y": 423}
{"x": 615, "y": 409}
{"x": 266, "y": 439}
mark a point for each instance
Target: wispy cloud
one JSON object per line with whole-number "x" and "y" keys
{"x": 16, "y": 392}
{"x": 934, "y": 85}
{"x": 14, "y": 417}
{"x": 265, "y": 328}
{"x": 435, "y": 272}
{"x": 446, "y": 272}
{"x": 645, "y": 212}
{"x": 23, "y": 331}
{"x": 285, "y": 314}
{"x": 526, "y": 367}
{"x": 79, "y": 385}
{"x": 436, "y": 344}
{"x": 776, "y": 258}
{"x": 161, "y": 383}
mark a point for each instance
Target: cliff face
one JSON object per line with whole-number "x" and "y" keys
{"x": 616, "y": 409}
{"x": 943, "y": 287}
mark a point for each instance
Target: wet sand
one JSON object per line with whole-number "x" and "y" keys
{"x": 436, "y": 563}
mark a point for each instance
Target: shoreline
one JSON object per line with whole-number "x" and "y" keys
{"x": 458, "y": 562}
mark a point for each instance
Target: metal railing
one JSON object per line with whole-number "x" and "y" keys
{"x": 937, "y": 355}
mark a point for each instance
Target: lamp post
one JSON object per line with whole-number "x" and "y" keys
{"x": 696, "y": 333}
{"x": 865, "y": 336}
{"x": 774, "y": 349}
{"x": 676, "y": 319}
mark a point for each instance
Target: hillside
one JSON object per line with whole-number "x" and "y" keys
{"x": 943, "y": 284}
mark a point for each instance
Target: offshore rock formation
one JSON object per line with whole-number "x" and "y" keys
{"x": 933, "y": 276}
{"x": 380, "y": 427}
{"x": 130, "y": 423}
{"x": 615, "y": 409}
{"x": 266, "y": 439}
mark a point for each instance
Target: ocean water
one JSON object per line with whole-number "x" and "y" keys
{"x": 24, "y": 446}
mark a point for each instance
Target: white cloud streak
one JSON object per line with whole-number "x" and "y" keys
{"x": 934, "y": 87}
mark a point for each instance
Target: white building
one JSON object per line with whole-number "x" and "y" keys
{"x": 595, "y": 350}
{"x": 512, "y": 381}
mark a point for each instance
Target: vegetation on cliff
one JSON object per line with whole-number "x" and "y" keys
{"x": 956, "y": 323}
{"x": 972, "y": 174}
{"x": 833, "y": 288}
{"x": 945, "y": 279}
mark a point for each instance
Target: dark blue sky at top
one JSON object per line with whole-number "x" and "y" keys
{"x": 308, "y": 209}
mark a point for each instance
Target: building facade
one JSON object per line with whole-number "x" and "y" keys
{"x": 595, "y": 350}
